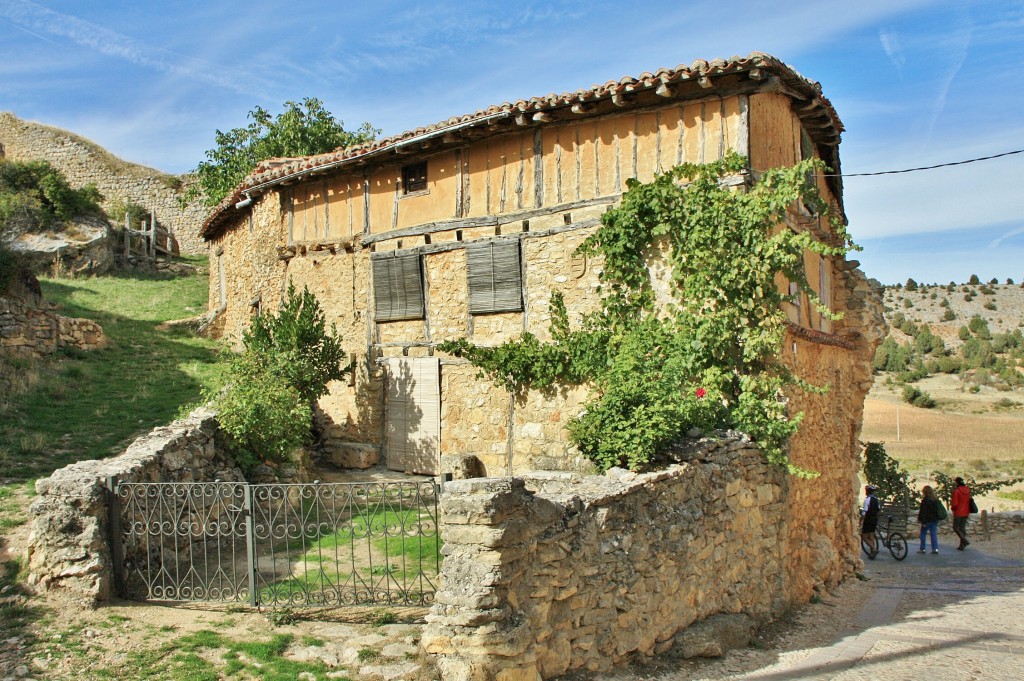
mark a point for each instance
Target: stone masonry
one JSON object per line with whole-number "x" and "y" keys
{"x": 558, "y": 572}
{"x": 69, "y": 546}
{"x": 28, "y": 330}
{"x": 83, "y": 162}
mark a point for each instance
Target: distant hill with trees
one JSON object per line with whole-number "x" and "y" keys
{"x": 972, "y": 330}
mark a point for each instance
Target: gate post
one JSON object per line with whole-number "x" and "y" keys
{"x": 114, "y": 524}
{"x": 250, "y": 543}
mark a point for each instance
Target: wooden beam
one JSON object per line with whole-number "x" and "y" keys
{"x": 705, "y": 82}
{"x": 582, "y": 108}
{"x": 543, "y": 117}
{"x": 664, "y": 90}
{"x": 755, "y": 74}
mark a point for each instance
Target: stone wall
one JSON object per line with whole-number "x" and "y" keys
{"x": 554, "y": 573}
{"x": 29, "y": 330}
{"x": 69, "y": 545}
{"x": 83, "y": 162}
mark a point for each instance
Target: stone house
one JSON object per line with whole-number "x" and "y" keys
{"x": 466, "y": 227}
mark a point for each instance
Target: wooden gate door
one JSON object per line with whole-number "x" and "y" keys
{"x": 414, "y": 415}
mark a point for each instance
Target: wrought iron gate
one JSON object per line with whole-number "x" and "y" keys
{"x": 318, "y": 544}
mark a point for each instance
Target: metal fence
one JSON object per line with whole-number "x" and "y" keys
{"x": 321, "y": 544}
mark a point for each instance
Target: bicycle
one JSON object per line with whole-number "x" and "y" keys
{"x": 889, "y": 538}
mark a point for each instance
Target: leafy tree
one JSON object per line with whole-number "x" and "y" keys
{"x": 979, "y": 327}
{"x": 300, "y": 130}
{"x": 974, "y": 280}
{"x": 993, "y": 281}
{"x": 709, "y": 359}
{"x": 911, "y": 285}
{"x": 885, "y": 473}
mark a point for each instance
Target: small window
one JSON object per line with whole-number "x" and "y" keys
{"x": 824, "y": 291}
{"x": 494, "y": 277}
{"x": 414, "y": 178}
{"x": 397, "y": 288}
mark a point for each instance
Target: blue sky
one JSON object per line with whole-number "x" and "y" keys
{"x": 916, "y": 82}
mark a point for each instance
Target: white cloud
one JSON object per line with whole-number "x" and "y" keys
{"x": 34, "y": 19}
{"x": 891, "y": 45}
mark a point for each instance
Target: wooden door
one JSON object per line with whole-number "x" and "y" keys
{"x": 414, "y": 415}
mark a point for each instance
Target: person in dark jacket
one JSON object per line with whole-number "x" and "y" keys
{"x": 869, "y": 520}
{"x": 929, "y": 515}
{"x": 960, "y": 505}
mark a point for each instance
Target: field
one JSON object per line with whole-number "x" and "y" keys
{"x": 981, "y": 434}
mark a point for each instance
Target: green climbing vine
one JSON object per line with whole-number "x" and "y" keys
{"x": 707, "y": 359}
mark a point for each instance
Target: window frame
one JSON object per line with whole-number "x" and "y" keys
{"x": 399, "y": 292}
{"x": 494, "y": 277}
{"x": 414, "y": 178}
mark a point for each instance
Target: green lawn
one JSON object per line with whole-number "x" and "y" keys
{"x": 85, "y": 405}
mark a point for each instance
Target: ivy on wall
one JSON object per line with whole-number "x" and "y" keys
{"x": 709, "y": 357}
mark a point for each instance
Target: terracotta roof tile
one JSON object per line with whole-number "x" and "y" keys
{"x": 274, "y": 170}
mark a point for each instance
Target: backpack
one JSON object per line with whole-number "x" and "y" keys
{"x": 941, "y": 511}
{"x": 973, "y": 508}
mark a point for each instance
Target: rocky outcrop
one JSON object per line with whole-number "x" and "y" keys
{"x": 82, "y": 248}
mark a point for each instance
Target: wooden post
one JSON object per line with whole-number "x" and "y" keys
{"x": 152, "y": 227}
{"x": 127, "y": 235}
{"x": 984, "y": 525}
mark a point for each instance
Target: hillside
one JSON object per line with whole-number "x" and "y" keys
{"x": 975, "y": 424}
{"x": 1003, "y": 308}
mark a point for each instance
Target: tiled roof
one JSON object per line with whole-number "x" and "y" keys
{"x": 278, "y": 170}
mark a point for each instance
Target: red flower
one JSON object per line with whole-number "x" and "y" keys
{"x": 701, "y": 392}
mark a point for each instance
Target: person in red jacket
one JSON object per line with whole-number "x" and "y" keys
{"x": 960, "y": 505}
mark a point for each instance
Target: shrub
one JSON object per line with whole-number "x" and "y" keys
{"x": 907, "y": 302}
{"x": 263, "y": 417}
{"x": 295, "y": 345}
{"x": 990, "y": 305}
{"x": 911, "y": 285}
{"x": 34, "y": 195}
{"x": 948, "y": 315}
{"x": 974, "y": 280}
{"x": 288, "y": 360}
{"x": 917, "y": 398}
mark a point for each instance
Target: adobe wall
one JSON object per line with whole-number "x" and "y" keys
{"x": 29, "y": 330}
{"x": 83, "y": 162}
{"x": 553, "y": 573}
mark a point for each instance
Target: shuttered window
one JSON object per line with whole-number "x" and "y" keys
{"x": 495, "y": 279}
{"x": 397, "y": 288}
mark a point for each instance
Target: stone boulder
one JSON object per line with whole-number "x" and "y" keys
{"x": 715, "y": 635}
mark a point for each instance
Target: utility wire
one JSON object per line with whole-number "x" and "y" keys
{"x": 941, "y": 165}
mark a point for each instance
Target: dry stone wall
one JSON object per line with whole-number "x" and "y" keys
{"x": 83, "y": 162}
{"x": 554, "y": 573}
{"x": 69, "y": 546}
{"x": 29, "y": 330}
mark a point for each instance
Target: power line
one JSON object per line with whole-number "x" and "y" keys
{"x": 940, "y": 165}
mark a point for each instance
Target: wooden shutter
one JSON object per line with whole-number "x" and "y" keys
{"x": 397, "y": 288}
{"x": 414, "y": 415}
{"x": 495, "y": 278}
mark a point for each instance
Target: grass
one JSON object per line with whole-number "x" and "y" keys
{"x": 358, "y": 558}
{"x": 79, "y": 405}
{"x": 208, "y": 655}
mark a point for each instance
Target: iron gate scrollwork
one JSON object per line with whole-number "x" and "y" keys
{"x": 322, "y": 544}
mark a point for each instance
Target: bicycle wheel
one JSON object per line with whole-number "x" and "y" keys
{"x": 867, "y": 549}
{"x": 897, "y": 546}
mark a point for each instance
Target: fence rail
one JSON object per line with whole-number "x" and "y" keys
{"x": 321, "y": 544}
